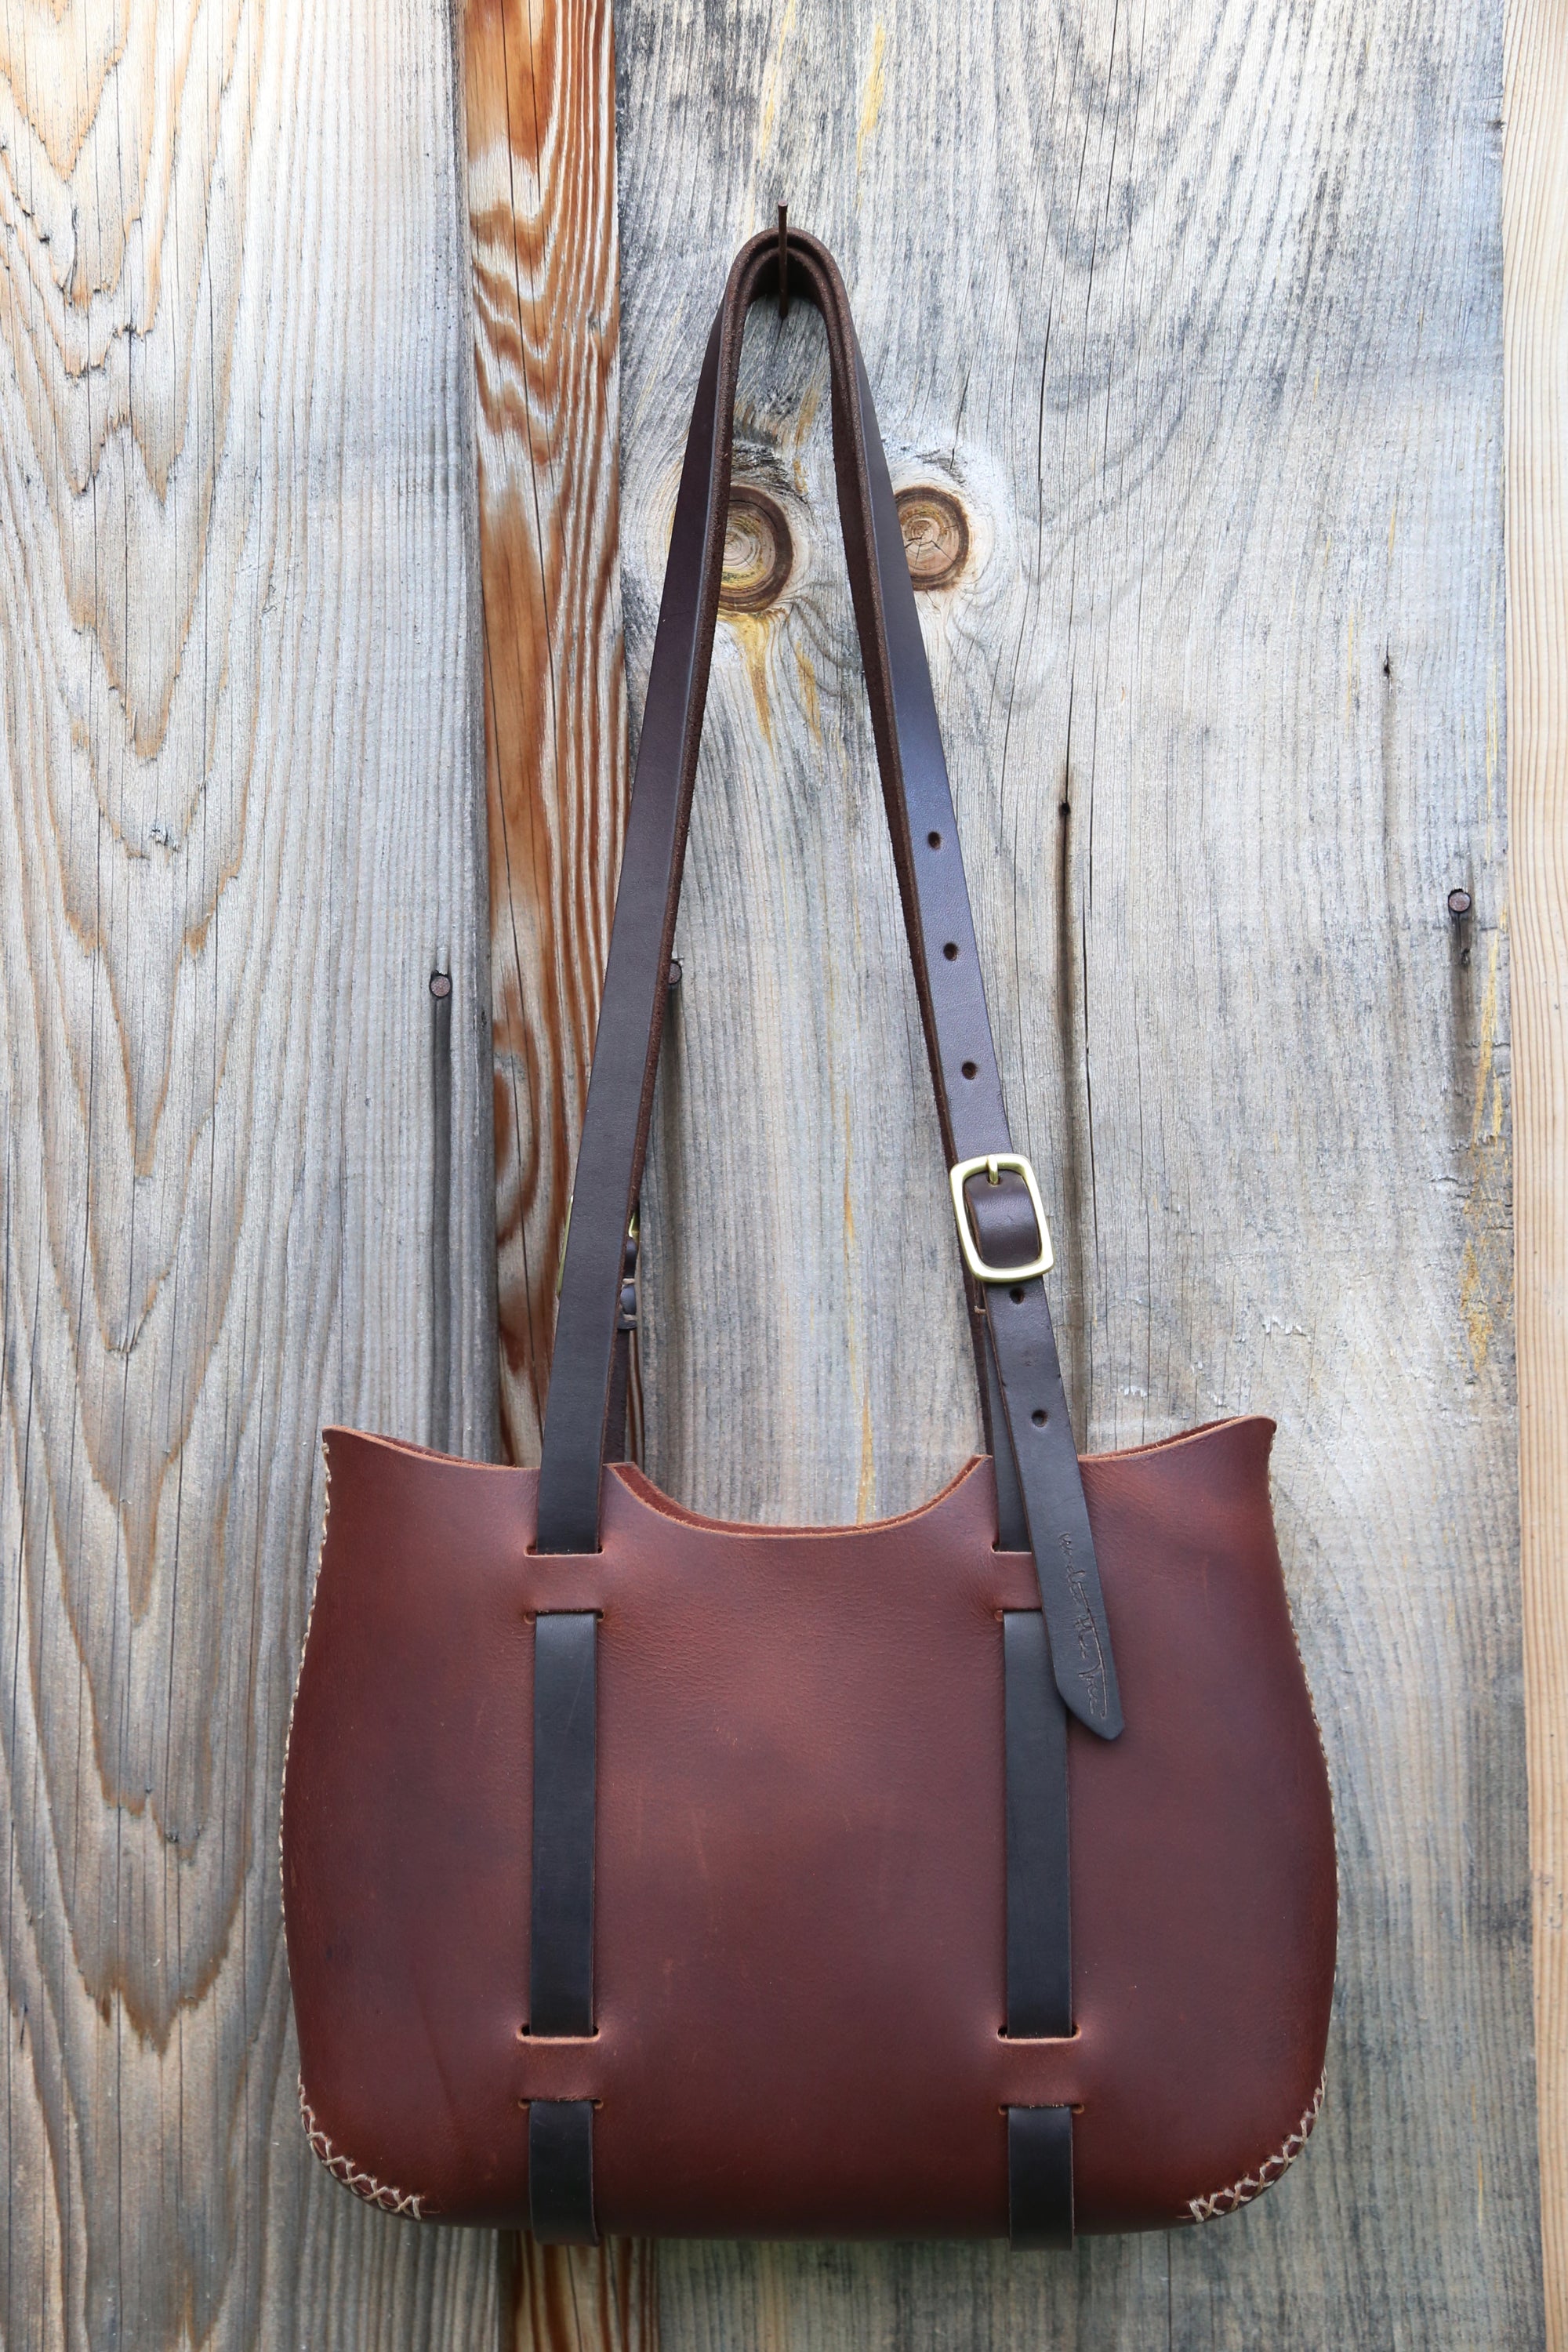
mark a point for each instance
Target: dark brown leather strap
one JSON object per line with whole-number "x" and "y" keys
{"x": 942, "y": 950}
{"x": 1039, "y": 1924}
{"x": 561, "y": 1913}
{"x": 1039, "y": 1940}
{"x": 1039, "y": 2178}
{"x": 561, "y": 2172}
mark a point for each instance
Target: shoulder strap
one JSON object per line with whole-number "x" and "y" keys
{"x": 1001, "y": 1225}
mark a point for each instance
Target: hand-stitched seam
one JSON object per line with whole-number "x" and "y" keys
{"x": 363, "y": 2184}
{"x": 1242, "y": 2192}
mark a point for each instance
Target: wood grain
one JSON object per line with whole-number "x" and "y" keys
{"x": 540, "y": 81}
{"x": 579, "y": 2298}
{"x": 1196, "y": 315}
{"x": 540, "y": 86}
{"x": 1535, "y": 334}
{"x": 245, "y": 1152}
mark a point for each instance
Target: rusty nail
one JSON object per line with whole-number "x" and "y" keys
{"x": 1459, "y": 904}
{"x": 440, "y": 983}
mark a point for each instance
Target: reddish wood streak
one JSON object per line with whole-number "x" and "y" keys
{"x": 541, "y": 112}
{"x": 597, "y": 2299}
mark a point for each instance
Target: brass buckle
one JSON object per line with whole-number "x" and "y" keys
{"x": 990, "y": 1164}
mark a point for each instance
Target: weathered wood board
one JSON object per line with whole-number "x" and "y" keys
{"x": 1535, "y": 332}
{"x": 541, "y": 118}
{"x": 246, "y": 1166}
{"x": 540, "y": 77}
{"x": 1197, "y": 322}
{"x": 1196, "y": 316}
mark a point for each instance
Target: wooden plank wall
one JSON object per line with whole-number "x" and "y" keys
{"x": 1194, "y": 319}
{"x": 540, "y": 78}
{"x": 1196, "y": 315}
{"x": 1535, "y": 316}
{"x": 541, "y": 114}
{"x": 246, "y": 1149}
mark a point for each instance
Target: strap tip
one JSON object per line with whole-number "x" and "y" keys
{"x": 1094, "y": 1702}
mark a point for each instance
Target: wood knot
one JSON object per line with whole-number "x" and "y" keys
{"x": 758, "y": 552}
{"x": 936, "y": 536}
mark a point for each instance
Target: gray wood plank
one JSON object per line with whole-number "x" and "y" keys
{"x": 1535, "y": 243}
{"x": 1196, "y": 315}
{"x": 246, "y": 1154}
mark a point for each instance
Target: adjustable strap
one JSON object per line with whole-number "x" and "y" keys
{"x": 561, "y": 1942}
{"x": 1001, "y": 1229}
{"x": 1039, "y": 1908}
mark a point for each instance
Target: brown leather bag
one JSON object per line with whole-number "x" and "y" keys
{"x": 648, "y": 1873}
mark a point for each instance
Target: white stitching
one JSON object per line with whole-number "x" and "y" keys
{"x": 1242, "y": 2192}
{"x": 363, "y": 2184}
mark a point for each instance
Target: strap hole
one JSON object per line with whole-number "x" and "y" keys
{"x": 951, "y": 951}
{"x": 1017, "y": 1296}
{"x": 934, "y": 840}
{"x": 970, "y": 1071}
{"x": 1038, "y": 1416}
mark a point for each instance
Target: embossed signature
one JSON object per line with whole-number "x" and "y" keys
{"x": 1090, "y": 1656}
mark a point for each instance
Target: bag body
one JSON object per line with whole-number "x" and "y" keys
{"x": 799, "y": 1946}
{"x": 965, "y": 1874}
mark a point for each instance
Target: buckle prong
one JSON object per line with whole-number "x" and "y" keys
{"x": 990, "y": 1165}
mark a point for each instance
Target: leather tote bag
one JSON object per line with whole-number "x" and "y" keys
{"x": 967, "y": 1874}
